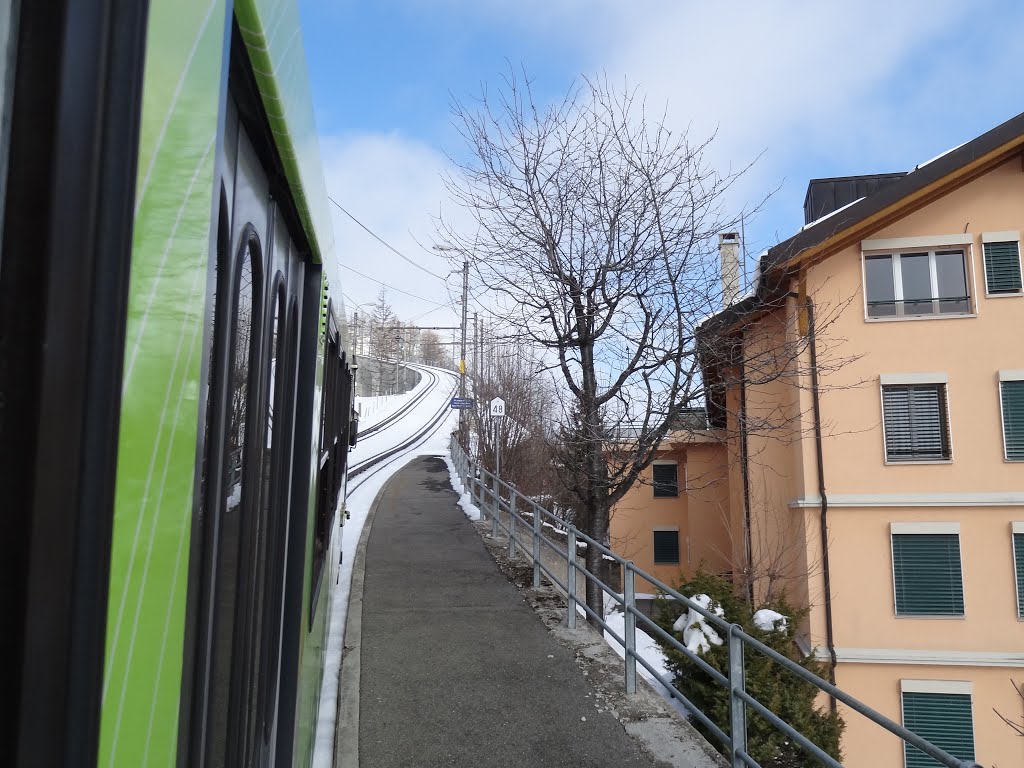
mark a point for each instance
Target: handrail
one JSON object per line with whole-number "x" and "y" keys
{"x": 486, "y": 490}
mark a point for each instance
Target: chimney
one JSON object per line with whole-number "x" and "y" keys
{"x": 729, "y": 250}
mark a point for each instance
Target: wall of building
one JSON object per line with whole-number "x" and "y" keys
{"x": 977, "y": 489}
{"x": 699, "y": 513}
{"x": 866, "y": 745}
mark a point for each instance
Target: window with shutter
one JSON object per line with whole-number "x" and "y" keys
{"x": 916, "y": 422}
{"x": 1011, "y": 395}
{"x": 927, "y": 575}
{"x": 944, "y": 719}
{"x": 666, "y": 480}
{"x": 1018, "y": 565}
{"x": 1002, "y": 268}
{"x": 666, "y": 547}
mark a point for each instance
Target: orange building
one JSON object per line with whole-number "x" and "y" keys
{"x": 866, "y": 449}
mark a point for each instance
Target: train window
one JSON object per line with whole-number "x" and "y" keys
{"x": 274, "y": 530}
{"x": 326, "y": 497}
{"x": 8, "y": 51}
{"x": 237, "y": 493}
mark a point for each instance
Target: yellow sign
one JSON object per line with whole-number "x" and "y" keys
{"x": 462, "y": 367}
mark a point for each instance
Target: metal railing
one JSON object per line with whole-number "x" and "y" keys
{"x": 495, "y": 498}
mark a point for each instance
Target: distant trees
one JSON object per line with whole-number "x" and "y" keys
{"x": 430, "y": 351}
{"x": 595, "y": 233}
{"x": 382, "y": 341}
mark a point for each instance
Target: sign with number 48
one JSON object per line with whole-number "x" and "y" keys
{"x": 497, "y": 408}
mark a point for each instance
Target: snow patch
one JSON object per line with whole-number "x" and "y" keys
{"x": 810, "y": 224}
{"x": 698, "y": 635}
{"x": 465, "y": 501}
{"x": 768, "y": 620}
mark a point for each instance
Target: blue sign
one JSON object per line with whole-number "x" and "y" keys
{"x": 462, "y": 403}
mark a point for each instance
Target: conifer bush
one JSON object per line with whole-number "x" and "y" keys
{"x": 788, "y": 696}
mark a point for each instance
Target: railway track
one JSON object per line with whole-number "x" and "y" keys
{"x": 406, "y": 408}
{"x": 368, "y": 467}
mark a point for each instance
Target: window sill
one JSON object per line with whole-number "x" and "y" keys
{"x": 929, "y": 617}
{"x": 917, "y": 462}
{"x": 949, "y": 316}
{"x": 1016, "y": 295}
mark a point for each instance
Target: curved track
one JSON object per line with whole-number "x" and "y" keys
{"x": 407, "y": 407}
{"x": 368, "y": 467}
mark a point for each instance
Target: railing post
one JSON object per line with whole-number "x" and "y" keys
{"x": 536, "y": 546}
{"x": 737, "y": 707}
{"x": 570, "y": 576}
{"x": 496, "y": 509}
{"x": 512, "y": 524}
{"x": 629, "y": 593}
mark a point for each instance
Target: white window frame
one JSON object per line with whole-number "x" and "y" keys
{"x": 1016, "y": 528}
{"x": 1011, "y": 236}
{"x": 925, "y": 529}
{"x": 898, "y": 379}
{"x": 663, "y": 462}
{"x": 1006, "y": 375}
{"x": 893, "y": 247}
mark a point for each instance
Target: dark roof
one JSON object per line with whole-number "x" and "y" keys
{"x": 815, "y": 234}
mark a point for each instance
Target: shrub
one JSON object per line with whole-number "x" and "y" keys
{"x": 778, "y": 689}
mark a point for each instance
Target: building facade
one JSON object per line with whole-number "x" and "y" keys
{"x": 868, "y": 400}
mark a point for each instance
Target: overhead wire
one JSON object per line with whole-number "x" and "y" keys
{"x": 393, "y": 288}
{"x": 387, "y": 245}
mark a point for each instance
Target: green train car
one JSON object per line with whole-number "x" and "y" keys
{"x": 175, "y": 385}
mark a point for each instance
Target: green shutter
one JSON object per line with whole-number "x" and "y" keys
{"x": 666, "y": 480}
{"x": 945, "y": 720}
{"x": 916, "y": 428}
{"x": 1018, "y": 557}
{"x": 1002, "y": 267}
{"x": 926, "y": 573}
{"x": 1012, "y": 395}
{"x": 666, "y": 547}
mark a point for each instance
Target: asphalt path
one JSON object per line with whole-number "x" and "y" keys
{"x": 455, "y": 668}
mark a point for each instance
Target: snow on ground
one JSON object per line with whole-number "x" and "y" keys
{"x": 408, "y": 425}
{"x": 648, "y": 648}
{"x": 472, "y": 511}
{"x": 359, "y": 502}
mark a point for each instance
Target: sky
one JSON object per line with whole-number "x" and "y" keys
{"x": 805, "y": 89}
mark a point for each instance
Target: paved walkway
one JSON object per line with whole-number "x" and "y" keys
{"x": 456, "y": 669}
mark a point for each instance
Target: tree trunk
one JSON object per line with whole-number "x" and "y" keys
{"x": 596, "y": 564}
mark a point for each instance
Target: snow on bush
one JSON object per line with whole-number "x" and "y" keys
{"x": 698, "y": 636}
{"x": 769, "y": 620}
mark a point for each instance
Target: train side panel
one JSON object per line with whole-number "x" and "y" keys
{"x": 162, "y": 385}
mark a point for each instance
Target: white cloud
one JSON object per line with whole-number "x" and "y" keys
{"x": 821, "y": 88}
{"x": 393, "y": 185}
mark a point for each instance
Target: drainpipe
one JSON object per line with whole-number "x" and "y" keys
{"x": 746, "y": 477}
{"x": 829, "y": 640}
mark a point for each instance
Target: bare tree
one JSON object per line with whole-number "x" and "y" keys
{"x": 1016, "y": 727}
{"x": 430, "y": 350}
{"x": 596, "y": 231}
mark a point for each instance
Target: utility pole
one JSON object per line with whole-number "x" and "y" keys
{"x": 462, "y": 352}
